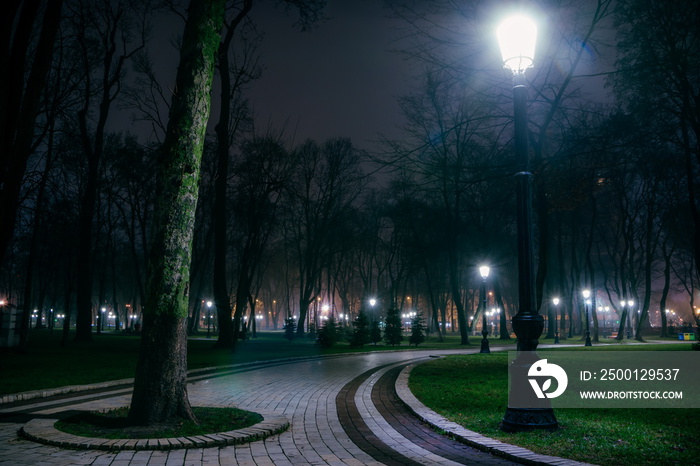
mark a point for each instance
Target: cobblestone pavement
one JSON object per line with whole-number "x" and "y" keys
{"x": 343, "y": 410}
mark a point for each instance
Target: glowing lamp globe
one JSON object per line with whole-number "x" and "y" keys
{"x": 517, "y": 36}
{"x": 484, "y": 271}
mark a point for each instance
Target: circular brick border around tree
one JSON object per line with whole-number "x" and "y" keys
{"x": 43, "y": 431}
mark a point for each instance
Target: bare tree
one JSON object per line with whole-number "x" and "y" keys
{"x": 328, "y": 181}
{"x": 659, "y": 77}
{"x": 26, "y": 62}
{"x": 106, "y": 36}
{"x": 263, "y": 172}
{"x": 232, "y": 115}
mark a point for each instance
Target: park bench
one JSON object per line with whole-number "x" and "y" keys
{"x": 613, "y": 335}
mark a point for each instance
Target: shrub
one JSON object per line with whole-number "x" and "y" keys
{"x": 417, "y": 330}
{"x": 328, "y": 335}
{"x": 289, "y": 328}
{"x": 392, "y": 332}
{"x": 360, "y": 333}
{"x": 375, "y": 332}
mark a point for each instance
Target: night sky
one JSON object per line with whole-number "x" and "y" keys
{"x": 340, "y": 79}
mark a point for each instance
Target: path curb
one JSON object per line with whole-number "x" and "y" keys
{"x": 469, "y": 437}
{"x": 43, "y": 431}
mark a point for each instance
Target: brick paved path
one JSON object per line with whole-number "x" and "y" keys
{"x": 343, "y": 410}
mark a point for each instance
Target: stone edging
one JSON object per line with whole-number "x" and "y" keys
{"x": 43, "y": 431}
{"x": 471, "y": 438}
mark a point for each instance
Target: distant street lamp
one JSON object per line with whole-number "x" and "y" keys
{"x": 604, "y": 310}
{"x": 517, "y": 37}
{"x": 623, "y": 303}
{"x": 630, "y": 303}
{"x": 587, "y": 302}
{"x": 495, "y": 313}
{"x": 484, "y": 272}
{"x": 408, "y": 316}
{"x": 209, "y": 304}
{"x": 555, "y": 301}
{"x": 2, "y": 310}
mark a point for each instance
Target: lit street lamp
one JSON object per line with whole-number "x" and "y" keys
{"x": 484, "y": 272}
{"x": 209, "y": 304}
{"x": 555, "y": 301}
{"x": 587, "y": 302}
{"x": 604, "y": 310}
{"x": 517, "y": 37}
{"x": 630, "y": 303}
{"x": 494, "y": 313}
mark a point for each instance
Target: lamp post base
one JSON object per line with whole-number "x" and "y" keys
{"x": 556, "y": 338}
{"x": 588, "y": 339}
{"x": 528, "y": 419}
{"x": 485, "y": 346}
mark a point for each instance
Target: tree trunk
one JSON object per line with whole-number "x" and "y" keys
{"x": 227, "y": 331}
{"x": 160, "y": 385}
{"x": 33, "y": 249}
{"x": 667, "y": 285}
{"x": 457, "y": 300}
{"x": 84, "y": 257}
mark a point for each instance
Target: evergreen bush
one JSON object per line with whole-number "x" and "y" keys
{"x": 392, "y": 332}
{"x": 417, "y": 330}
{"x": 328, "y": 335}
{"x": 360, "y": 334}
{"x": 289, "y": 328}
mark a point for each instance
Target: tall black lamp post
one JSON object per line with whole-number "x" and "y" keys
{"x": 587, "y": 302}
{"x": 517, "y": 37}
{"x": 484, "y": 272}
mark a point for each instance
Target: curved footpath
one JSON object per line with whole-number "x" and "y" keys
{"x": 349, "y": 409}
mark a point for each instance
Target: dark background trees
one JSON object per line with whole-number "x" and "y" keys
{"x": 316, "y": 229}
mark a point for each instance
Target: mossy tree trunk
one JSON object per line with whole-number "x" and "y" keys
{"x": 160, "y": 386}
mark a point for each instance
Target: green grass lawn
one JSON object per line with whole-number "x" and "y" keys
{"x": 472, "y": 390}
{"x": 113, "y": 356}
{"x": 114, "y": 424}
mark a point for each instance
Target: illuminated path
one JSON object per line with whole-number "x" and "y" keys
{"x": 343, "y": 410}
